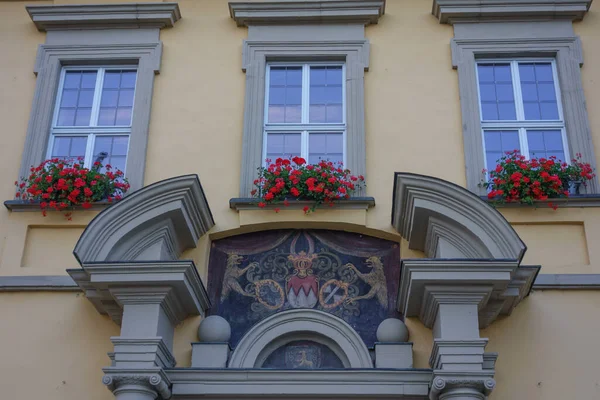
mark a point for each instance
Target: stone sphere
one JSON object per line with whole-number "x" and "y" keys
{"x": 214, "y": 329}
{"x": 392, "y": 330}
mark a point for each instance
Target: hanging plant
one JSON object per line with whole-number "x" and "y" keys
{"x": 59, "y": 184}
{"x": 293, "y": 179}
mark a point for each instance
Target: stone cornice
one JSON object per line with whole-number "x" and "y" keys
{"x": 456, "y": 11}
{"x": 96, "y": 16}
{"x": 176, "y": 285}
{"x": 254, "y": 383}
{"x": 445, "y": 220}
{"x": 363, "y": 12}
{"x": 495, "y": 286}
{"x": 157, "y": 222}
{"x": 362, "y": 203}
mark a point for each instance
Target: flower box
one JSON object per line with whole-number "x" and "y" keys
{"x": 293, "y": 181}
{"x": 528, "y": 181}
{"x": 64, "y": 185}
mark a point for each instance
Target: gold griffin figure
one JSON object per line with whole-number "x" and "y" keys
{"x": 375, "y": 279}
{"x": 304, "y": 362}
{"x": 232, "y": 274}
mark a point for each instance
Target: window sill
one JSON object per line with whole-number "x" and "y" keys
{"x": 584, "y": 200}
{"x": 353, "y": 203}
{"x": 26, "y": 206}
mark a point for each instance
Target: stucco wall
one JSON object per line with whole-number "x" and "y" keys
{"x": 413, "y": 124}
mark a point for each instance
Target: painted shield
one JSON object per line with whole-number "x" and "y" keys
{"x": 303, "y": 292}
{"x": 303, "y": 356}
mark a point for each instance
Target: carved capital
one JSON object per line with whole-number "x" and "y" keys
{"x": 153, "y": 381}
{"x": 477, "y": 386}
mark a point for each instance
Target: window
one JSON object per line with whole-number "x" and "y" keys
{"x": 93, "y": 114}
{"x": 520, "y": 109}
{"x": 305, "y": 112}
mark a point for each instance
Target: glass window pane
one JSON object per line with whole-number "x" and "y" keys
{"x": 120, "y": 145}
{"x": 293, "y": 95}
{"x": 485, "y": 72}
{"x": 66, "y": 117}
{"x": 69, "y": 98}
{"x": 334, "y": 95}
{"x": 123, "y": 116}
{"x": 69, "y": 147}
{"x": 532, "y": 111}
{"x": 546, "y": 143}
{"x": 107, "y": 116}
{"x": 489, "y": 111}
{"x": 293, "y": 114}
{"x": 549, "y": 110}
{"x": 543, "y": 72}
{"x": 317, "y": 114}
{"x": 82, "y": 118}
{"x": 88, "y": 79}
{"x": 112, "y": 79}
{"x": 283, "y": 145}
{"x": 285, "y": 95}
{"x": 325, "y": 146}
{"x": 496, "y": 92}
{"x": 538, "y": 90}
{"x": 108, "y": 144}
{"x": 72, "y": 79}
{"x": 497, "y": 143}
{"x": 277, "y": 76}
{"x": 334, "y": 113}
{"x": 128, "y": 79}
{"x": 317, "y": 95}
{"x": 102, "y": 144}
{"x": 109, "y": 98}
{"x": 334, "y": 75}
{"x": 506, "y": 111}
{"x": 126, "y": 98}
{"x": 86, "y": 97}
{"x": 318, "y": 76}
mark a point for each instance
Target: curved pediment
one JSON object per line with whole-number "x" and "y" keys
{"x": 155, "y": 223}
{"x": 445, "y": 220}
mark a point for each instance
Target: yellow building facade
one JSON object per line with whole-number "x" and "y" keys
{"x": 408, "y": 126}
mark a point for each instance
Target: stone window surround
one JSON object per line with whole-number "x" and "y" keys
{"x": 130, "y": 36}
{"x": 514, "y": 29}
{"x": 332, "y": 31}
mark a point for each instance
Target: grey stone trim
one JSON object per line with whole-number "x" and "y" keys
{"x": 471, "y": 385}
{"x": 53, "y": 283}
{"x": 541, "y": 39}
{"x": 26, "y": 206}
{"x": 87, "y": 16}
{"x": 567, "y": 282}
{"x": 494, "y": 286}
{"x": 410, "y": 384}
{"x": 363, "y": 12}
{"x": 445, "y": 220}
{"x": 355, "y": 53}
{"x": 51, "y": 58}
{"x": 161, "y": 221}
{"x": 277, "y": 330}
{"x": 353, "y": 203}
{"x": 576, "y": 201}
{"x": 456, "y": 11}
{"x": 176, "y": 283}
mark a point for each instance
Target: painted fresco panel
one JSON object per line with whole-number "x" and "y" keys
{"x": 352, "y": 276}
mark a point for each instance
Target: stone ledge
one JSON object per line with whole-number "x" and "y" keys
{"x": 363, "y": 12}
{"x": 90, "y": 16}
{"x": 567, "y": 282}
{"x": 57, "y": 283}
{"x": 583, "y": 200}
{"x": 457, "y": 11}
{"x": 20, "y": 206}
{"x": 353, "y": 203}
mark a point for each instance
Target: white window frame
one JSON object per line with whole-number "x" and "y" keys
{"x": 92, "y": 131}
{"x": 521, "y": 124}
{"x": 305, "y": 128}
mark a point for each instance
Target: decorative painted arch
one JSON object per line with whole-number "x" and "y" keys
{"x": 287, "y": 326}
{"x": 445, "y": 220}
{"x": 156, "y": 223}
